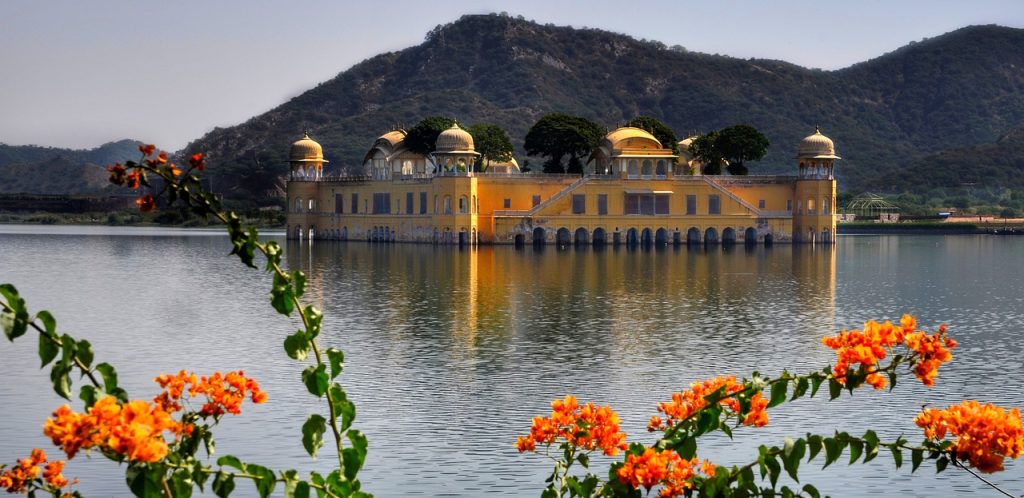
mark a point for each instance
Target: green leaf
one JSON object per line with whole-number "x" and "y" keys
{"x": 48, "y": 348}
{"x": 109, "y": 376}
{"x": 916, "y": 457}
{"x": 834, "y": 388}
{"x": 688, "y": 449}
{"x": 344, "y": 409}
{"x": 315, "y": 378}
{"x": 85, "y": 354}
{"x": 584, "y": 460}
{"x": 856, "y": 448}
{"x": 892, "y": 380}
{"x": 181, "y": 483}
{"x": 354, "y": 455}
{"x": 299, "y": 281}
{"x": 774, "y": 469}
{"x": 832, "y": 451}
{"x": 282, "y": 296}
{"x": 144, "y": 480}
{"x": 199, "y": 476}
{"x": 815, "y": 444}
{"x": 61, "y": 379}
{"x": 14, "y": 322}
{"x": 87, "y": 394}
{"x": 266, "y": 482}
{"x": 815, "y": 384}
{"x": 941, "y": 464}
{"x": 231, "y": 461}
{"x": 778, "y": 393}
{"x": 793, "y": 453}
{"x": 800, "y": 389}
{"x": 811, "y": 491}
{"x": 897, "y": 455}
{"x": 299, "y": 490}
{"x": 337, "y": 360}
{"x": 297, "y": 345}
{"x": 314, "y": 317}
{"x": 313, "y": 433}
{"x": 223, "y": 484}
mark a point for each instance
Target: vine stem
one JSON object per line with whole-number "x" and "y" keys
{"x": 956, "y": 463}
{"x": 78, "y": 363}
{"x": 252, "y": 477}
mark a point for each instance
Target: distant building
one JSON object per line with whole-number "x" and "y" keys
{"x": 635, "y": 191}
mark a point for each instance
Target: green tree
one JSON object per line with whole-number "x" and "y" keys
{"x": 492, "y": 143}
{"x": 557, "y": 135}
{"x": 739, "y": 144}
{"x": 422, "y": 137}
{"x": 705, "y": 149}
{"x": 660, "y": 130}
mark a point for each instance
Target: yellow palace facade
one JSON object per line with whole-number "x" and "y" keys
{"x": 634, "y": 191}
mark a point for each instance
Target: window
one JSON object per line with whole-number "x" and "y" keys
{"x": 760, "y": 204}
{"x": 338, "y": 204}
{"x": 536, "y": 200}
{"x": 507, "y": 204}
{"x": 661, "y": 204}
{"x": 408, "y": 203}
{"x": 366, "y": 205}
{"x": 463, "y": 205}
{"x": 646, "y": 204}
{"x": 355, "y": 203}
{"x": 825, "y": 207}
{"x": 298, "y": 204}
{"x": 648, "y": 168}
{"x": 659, "y": 170}
{"x": 312, "y": 204}
{"x": 447, "y": 205}
{"x": 633, "y": 169}
{"x": 789, "y": 205}
{"x": 381, "y": 203}
{"x": 691, "y": 204}
{"x": 810, "y": 206}
{"x": 579, "y": 203}
{"x": 714, "y": 204}
{"x": 423, "y": 203}
{"x": 799, "y": 207}
{"x": 602, "y": 203}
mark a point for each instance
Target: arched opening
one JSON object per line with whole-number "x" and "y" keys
{"x": 538, "y": 236}
{"x": 312, "y": 233}
{"x": 520, "y": 240}
{"x": 312, "y": 205}
{"x": 435, "y": 204}
{"x": 298, "y": 232}
{"x": 600, "y": 237}
{"x": 463, "y": 237}
{"x": 632, "y": 238}
{"x": 677, "y": 238}
{"x": 463, "y": 205}
{"x": 581, "y": 236}
{"x": 298, "y": 205}
{"x": 476, "y": 207}
{"x": 729, "y": 236}
{"x": 447, "y": 204}
{"x": 563, "y": 237}
{"x": 750, "y": 236}
{"x": 768, "y": 240}
{"x": 634, "y": 168}
{"x": 646, "y": 237}
{"x": 710, "y": 236}
{"x": 344, "y": 233}
{"x": 661, "y": 237}
{"x": 693, "y": 236}
{"x": 660, "y": 170}
{"x": 648, "y": 168}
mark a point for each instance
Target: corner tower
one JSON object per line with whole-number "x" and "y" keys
{"x": 814, "y": 209}
{"x": 307, "y": 166}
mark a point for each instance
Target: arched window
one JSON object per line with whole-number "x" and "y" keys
{"x": 660, "y": 168}
{"x": 810, "y": 206}
{"x": 298, "y": 205}
{"x": 463, "y": 205}
{"x": 826, "y": 208}
{"x": 634, "y": 168}
{"x": 435, "y": 204}
{"x": 447, "y": 205}
{"x": 312, "y": 204}
{"x": 476, "y": 205}
{"x": 799, "y": 207}
{"x": 407, "y": 167}
{"x": 648, "y": 168}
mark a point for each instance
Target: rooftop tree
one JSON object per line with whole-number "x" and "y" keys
{"x": 422, "y": 137}
{"x": 492, "y": 143}
{"x": 557, "y": 135}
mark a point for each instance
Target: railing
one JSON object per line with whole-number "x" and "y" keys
{"x": 750, "y": 207}
{"x": 562, "y": 193}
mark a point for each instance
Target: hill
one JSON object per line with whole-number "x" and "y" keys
{"x": 49, "y": 170}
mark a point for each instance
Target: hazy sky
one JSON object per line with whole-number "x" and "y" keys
{"x": 79, "y": 73}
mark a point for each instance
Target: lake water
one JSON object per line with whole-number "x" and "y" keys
{"x": 450, "y": 352}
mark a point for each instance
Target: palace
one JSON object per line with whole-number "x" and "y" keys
{"x": 635, "y": 191}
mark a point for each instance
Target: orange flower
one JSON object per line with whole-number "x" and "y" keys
{"x": 161, "y": 158}
{"x": 146, "y": 203}
{"x": 134, "y": 430}
{"x": 587, "y": 427}
{"x": 132, "y": 179}
{"x": 224, "y": 392}
{"x": 19, "y": 478}
{"x": 932, "y": 351}
{"x": 666, "y": 468}
{"x": 985, "y": 434}
{"x": 117, "y": 174}
{"x": 173, "y": 170}
{"x": 197, "y": 161}
{"x": 147, "y": 150}
{"x": 686, "y": 403}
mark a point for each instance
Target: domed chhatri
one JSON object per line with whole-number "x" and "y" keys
{"x": 306, "y": 150}
{"x": 817, "y": 146}
{"x": 454, "y": 139}
{"x": 307, "y": 159}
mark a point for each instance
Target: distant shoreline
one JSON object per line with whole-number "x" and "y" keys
{"x": 954, "y": 228}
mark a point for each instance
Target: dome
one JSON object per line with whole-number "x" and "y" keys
{"x": 817, "y": 146}
{"x": 628, "y": 132}
{"x": 306, "y": 150}
{"x": 454, "y": 139}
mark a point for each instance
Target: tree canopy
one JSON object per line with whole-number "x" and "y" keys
{"x": 422, "y": 137}
{"x": 660, "y": 130}
{"x": 492, "y": 143}
{"x": 735, "y": 145}
{"x": 557, "y": 135}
